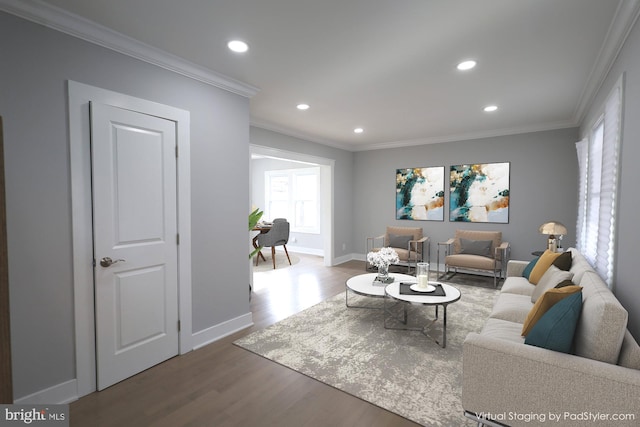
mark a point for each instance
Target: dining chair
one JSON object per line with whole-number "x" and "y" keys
{"x": 277, "y": 236}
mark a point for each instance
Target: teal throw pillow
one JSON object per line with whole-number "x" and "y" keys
{"x": 555, "y": 329}
{"x": 527, "y": 270}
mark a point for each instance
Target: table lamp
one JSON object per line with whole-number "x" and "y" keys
{"x": 555, "y": 230}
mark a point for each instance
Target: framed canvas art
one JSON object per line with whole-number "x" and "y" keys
{"x": 420, "y": 193}
{"x": 479, "y": 193}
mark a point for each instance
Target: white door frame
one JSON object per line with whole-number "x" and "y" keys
{"x": 83, "y": 280}
{"x": 326, "y": 191}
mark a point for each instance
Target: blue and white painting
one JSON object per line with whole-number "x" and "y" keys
{"x": 479, "y": 193}
{"x": 420, "y": 193}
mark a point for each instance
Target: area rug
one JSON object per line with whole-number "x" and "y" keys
{"x": 404, "y": 372}
{"x": 281, "y": 261}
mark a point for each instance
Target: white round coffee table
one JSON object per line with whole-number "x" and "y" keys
{"x": 363, "y": 284}
{"x": 393, "y": 294}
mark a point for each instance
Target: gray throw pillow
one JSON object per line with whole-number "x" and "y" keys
{"x": 476, "y": 247}
{"x": 399, "y": 241}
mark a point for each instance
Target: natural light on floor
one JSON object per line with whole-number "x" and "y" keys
{"x": 285, "y": 291}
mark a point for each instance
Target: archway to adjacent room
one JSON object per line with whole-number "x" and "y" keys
{"x": 326, "y": 190}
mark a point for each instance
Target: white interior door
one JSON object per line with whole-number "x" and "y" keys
{"x": 135, "y": 226}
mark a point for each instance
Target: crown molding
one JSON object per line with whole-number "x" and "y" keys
{"x": 623, "y": 21}
{"x": 298, "y": 134}
{"x": 417, "y": 141}
{"x": 466, "y": 136}
{"x": 76, "y": 26}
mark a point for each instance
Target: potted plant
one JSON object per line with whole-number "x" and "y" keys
{"x": 254, "y": 218}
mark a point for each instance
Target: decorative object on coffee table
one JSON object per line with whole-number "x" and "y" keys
{"x": 382, "y": 259}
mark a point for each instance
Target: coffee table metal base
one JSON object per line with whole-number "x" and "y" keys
{"x": 396, "y": 309}
{"x": 403, "y": 318}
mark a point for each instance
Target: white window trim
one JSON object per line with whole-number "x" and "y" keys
{"x": 292, "y": 173}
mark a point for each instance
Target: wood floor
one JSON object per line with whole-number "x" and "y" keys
{"x": 224, "y": 385}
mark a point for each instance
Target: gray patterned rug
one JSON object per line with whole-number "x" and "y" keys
{"x": 401, "y": 371}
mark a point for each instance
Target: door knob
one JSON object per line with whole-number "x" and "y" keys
{"x": 107, "y": 262}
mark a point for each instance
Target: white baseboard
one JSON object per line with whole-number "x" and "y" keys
{"x": 214, "y": 333}
{"x": 345, "y": 258}
{"x": 68, "y": 391}
{"x": 60, "y": 394}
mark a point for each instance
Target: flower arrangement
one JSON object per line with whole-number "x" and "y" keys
{"x": 383, "y": 258}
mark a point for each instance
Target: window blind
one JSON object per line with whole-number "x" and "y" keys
{"x": 598, "y": 163}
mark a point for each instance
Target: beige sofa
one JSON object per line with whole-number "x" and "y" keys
{"x": 508, "y": 382}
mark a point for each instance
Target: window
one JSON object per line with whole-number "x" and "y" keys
{"x": 294, "y": 194}
{"x": 598, "y": 162}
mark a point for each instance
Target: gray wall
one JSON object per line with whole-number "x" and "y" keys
{"x": 543, "y": 186}
{"x": 36, "y": 64}
{"x": 626, "y": 282}
{"x": 343, "y": 176}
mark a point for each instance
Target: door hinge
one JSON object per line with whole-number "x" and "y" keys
{"x": 178, "y": 239}
{"x": 179, "y": 326}
{"x": 176, "y": 151}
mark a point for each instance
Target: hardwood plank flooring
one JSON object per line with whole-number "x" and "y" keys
{"x": 224, "y": 385}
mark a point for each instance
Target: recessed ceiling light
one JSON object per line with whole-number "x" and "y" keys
{"x": 358, "y": 130}
{"x": 490, "y": 108}
{"x": 238, "y": 46}
{"x": 466, "y": 65}
{"x": 302, "y": 106}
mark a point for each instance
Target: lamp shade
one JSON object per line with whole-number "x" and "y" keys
{"x": 553, "y": 228}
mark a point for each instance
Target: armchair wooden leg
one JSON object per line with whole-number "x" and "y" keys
{"x": 287, "y": 252}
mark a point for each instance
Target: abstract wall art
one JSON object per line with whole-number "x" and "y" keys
{"x": 479, "y": 193}
{"x": 420, "y": 193}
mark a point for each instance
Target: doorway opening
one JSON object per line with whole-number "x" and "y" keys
{"x": 322, "y": 244}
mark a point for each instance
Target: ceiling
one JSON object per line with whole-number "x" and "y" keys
{"x": 388, "y": 66}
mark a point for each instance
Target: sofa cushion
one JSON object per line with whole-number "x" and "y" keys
{"x": 503, "y": 329}
{"x": 527, "y": 270}
{"x": 517, "y": 285}
{"x": 555, "y": 329}
{"x": 601, "y": 329}
{"x": 511, "y": 307}
{"x": 579, "y": 265}
{"x": 544, "y": 303}
{"x": 549, "y": 280}
{"x": 471, "y": 261}
{"x": 564, "y": 261}
{"x": 546, "y": 259}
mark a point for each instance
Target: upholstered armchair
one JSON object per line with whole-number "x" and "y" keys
{"x": 412, "y": 247}
{"x": 475, "y": 251}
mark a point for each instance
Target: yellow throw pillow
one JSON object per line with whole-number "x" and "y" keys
{"x": 546, "y": 259}
{"x": 544, "y": 303}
